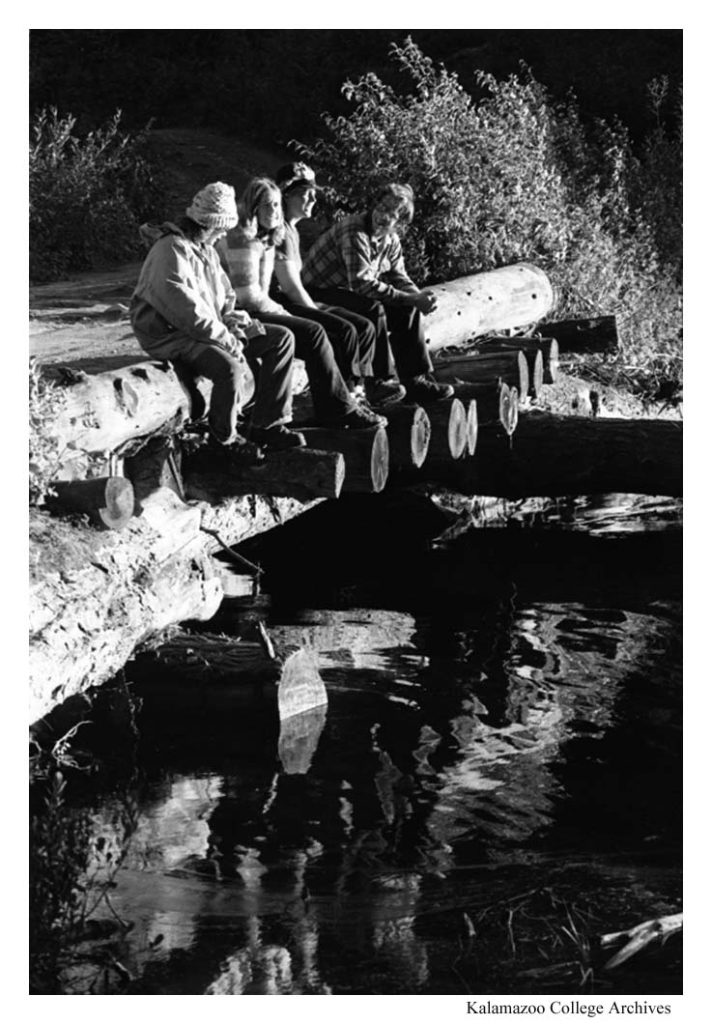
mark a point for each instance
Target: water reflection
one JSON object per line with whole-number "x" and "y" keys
{"x": 479, "y": 743}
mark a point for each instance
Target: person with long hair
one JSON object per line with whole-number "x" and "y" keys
{"x": 184, "y": 309}
{"x": 358, "y": 263}
{"x": 352, "y": 336}
{"x": 248, "y": 253}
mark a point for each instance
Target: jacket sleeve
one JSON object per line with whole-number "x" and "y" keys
{"x": 398, "y": 276}
{"x": 174, "y": 290}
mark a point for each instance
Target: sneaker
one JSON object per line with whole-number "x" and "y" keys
{"x": 425, "y": 389}
{"x": 359, "y": 418}
{"x": 383, "y": 392}
{"x": 278, "y": 438}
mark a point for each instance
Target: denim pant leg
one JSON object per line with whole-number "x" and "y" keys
{"x": 330, "y": 396}
{"x": 383, "y": 364}
{"x": 342, "y": 336}
{"x": 223, "y": 370}
{"x": 274, "y": 351}
{"x": 408, "y": 344}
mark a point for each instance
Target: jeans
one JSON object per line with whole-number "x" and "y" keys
{"x": 271, "y": 356}
{"x": 400, "y": 338}
{"x": 352, "y": 337}
{"x": 330, "y": 396}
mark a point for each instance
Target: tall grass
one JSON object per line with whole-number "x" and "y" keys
{"x": 513, "y": 176}
{"x": 88, "y": 195}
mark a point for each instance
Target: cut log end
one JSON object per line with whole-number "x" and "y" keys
{"x": 408, "y": 435}
{"x": 471, "y": 427}
{"x": 448, "y": 438}
{"x": 108, "y": 501}
{"x": 379, "y": 460}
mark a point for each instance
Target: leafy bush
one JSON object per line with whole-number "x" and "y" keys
{"x": 513, "y": 177}
{"x": 45, "y": 448}
{"x": 87, "y": 195}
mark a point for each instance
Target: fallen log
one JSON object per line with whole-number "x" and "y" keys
{"x": 215, "y": 674}
{"x": 107, "y": 501}
{"x": 480, "y": 368}
{"x": 547, "y": 347}
{"x": 97, "y": 594}
{"x": 594, "y": 334}
{"x": 365, "y": 452}
{"x": 409, "y": 432}
{"x": 497, "y": 403}
{"x": 557, "y": 455}
{"x": 448, "y": 432}
{"x": 495, "y": 300}
{"x": 302, "y": 473}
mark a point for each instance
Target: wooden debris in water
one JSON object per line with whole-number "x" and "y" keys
{"x": 639, "y": 937}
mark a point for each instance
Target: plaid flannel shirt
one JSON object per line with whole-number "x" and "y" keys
{"x": 348, "y": 256}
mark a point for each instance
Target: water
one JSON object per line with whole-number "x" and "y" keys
{"x": 494, "y": 784}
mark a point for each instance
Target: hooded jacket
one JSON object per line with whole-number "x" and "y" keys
{"x": 181, "y": 297}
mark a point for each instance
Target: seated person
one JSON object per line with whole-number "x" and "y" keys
{"x": 358, "y": 263}
{"x": 248, "y": 253}
{"x": 183, "y": 309}
{"x": 352, "y": 337}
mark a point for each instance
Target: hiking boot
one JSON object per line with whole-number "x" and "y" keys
{"x": 424, "y": 389}
{"x": 277, "y": 438}
{"x": 383, "y": 392}
{"x": 358, "y": 418}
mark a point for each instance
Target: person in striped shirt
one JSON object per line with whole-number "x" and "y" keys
{"x": 358, "y": 264}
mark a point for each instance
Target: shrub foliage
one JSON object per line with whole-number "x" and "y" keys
{"x": 514, "y": 177}
{"x": 87, "y": 195}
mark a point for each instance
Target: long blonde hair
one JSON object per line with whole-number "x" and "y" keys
{"x": 257, "y": 190}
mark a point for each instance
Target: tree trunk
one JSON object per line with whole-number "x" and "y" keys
{"x": 408, "y": 435}
{"x": 480, "y": 368}
{"x": 497, "y": 403}
{"x": 108, "y": 501}
{"x": 548, "y": 347}
{"x": 298, "y": 473}
{"x": 495, "y": 300}
{"x": 366, "y": 454}
{"x": 557, "y": 455}
{"x": 595, "y": 334}
{"x": 448, "y": 437}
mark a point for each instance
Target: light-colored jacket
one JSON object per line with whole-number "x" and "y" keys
{"x": 182, "y": 297}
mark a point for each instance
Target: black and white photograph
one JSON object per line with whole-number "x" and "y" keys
{"x": 355, "y": 513}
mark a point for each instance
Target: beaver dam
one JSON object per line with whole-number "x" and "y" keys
{"x": 423, "y": 737}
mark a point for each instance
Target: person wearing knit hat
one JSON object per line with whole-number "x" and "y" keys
{"x": 184, "y": 309}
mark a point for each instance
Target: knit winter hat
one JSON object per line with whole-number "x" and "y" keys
{"x": 214, "y": 206}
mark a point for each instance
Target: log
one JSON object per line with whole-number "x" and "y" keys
{"x": 592, "y": 334}
{"x": 408, "y": 435}
{"x": 97, "y": 594}
{"x": 480, "y": 368}
{"x": 366, "y": 455}
{"x": 563, "y": 455}
{"x": 448, "y": 437}
{"x": 107, "y": 501}
{"x": 103, "y": 411}
{"x": 548, "y": 347}
{"x": 215, "y": 674}
{"x": 302, "y": 473}
{"x": 495, "y": 300}
{"x": 497, "y": 403}
{"x": 471, "y": 427}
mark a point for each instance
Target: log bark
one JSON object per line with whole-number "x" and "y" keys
{"x": 408, "y": 435}
{"x": 562, "y": 455}
{"x": 480, "y": 368}
{"x": 107, "y": 501}
{"x": 494, "y": 404}
{"x": 494, "y": 300}
{"x": 366, "y": 455}
{"x": 448, "y": 437}
{"x": 592, "y": 334}
{"x": 298, "y": 473}
{"x": 548, "y": 347}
